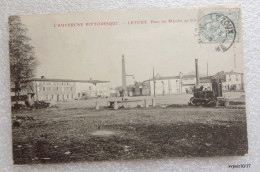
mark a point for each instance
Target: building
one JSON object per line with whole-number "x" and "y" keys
{"x": 206, "y": 83}
{"x": 184, "y": 84}
{"x": 138, "y": 89}
{"x": 181, "y": 84}
{"x": 233, "y": 81}
{"x": 188, "y": 83}
{"x": 230, "y": 81}
{"x": 66, "y": 89}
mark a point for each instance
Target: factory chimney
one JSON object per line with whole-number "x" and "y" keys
{"x": 124, "y": 77}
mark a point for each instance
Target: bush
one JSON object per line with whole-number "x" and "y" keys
{"x": 40, "y": 105}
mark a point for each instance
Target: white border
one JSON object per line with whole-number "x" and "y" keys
{"x": 251, "y": 28}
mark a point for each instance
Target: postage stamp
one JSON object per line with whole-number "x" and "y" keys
{"x": 220, "y": 27}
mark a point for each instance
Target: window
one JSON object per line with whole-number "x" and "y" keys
{"x": 68, "y": 97}
{"x": 52, "y": 97}
{"x": 72, "y": 96}
{"x": 236, "y": 79}
{"x": 46, "y": 97}
{"x": 89, "y": 87}
{"x": 67, "y": 83}
{"x": 63, "y": 97}
{"x": 71, "y": 88}
{"x": 229, "y": 79}
{"x": 78, "y": 94}
{"x": 57, "y": 88}
{"x": 43, "y": 88}
{"x": 176, "y": 80}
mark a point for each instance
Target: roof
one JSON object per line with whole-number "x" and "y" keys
{"x": 167, "y": 77}
{"x": 231, "y": 72}
{"x": 188, "y": 84}
{"x": 189, "y": 76}
{"x": 206, "y": 78}
{"x": 138, "y": 84}
{"x": 173, "y": 77}
{"x": 205, "y": 81}
{"x": 66, "y": 80}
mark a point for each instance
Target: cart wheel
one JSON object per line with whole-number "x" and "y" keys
{"x": 212, "y": 103}
{"x": 192, "y": 101}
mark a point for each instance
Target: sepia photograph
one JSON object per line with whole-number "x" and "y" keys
{"x": 127, "y": 85}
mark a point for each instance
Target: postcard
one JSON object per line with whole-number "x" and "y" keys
{"x": 126, "y": 85}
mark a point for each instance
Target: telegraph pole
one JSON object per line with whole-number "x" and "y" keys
{"x": 197, "y": 73}
{"x": 153, "y": 83}
{"x": 124, "y": 77}
{"x": 207, "y": 69}
{"x": 36, "y": 91}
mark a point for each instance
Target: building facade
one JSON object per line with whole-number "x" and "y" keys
{"x": 184, "y": 84}
{"x": 65, "y": 89}
{"x": 233, "y": 81}
{"x": 181, "y": 84}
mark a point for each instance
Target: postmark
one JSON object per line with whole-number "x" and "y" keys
{"x": 219, "y": 28}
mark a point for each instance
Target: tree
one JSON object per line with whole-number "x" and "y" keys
{"x": 22, "y": 57}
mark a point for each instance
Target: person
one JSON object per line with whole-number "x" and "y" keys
{"x": 27, "y": 103}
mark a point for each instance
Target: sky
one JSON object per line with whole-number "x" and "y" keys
{"x": 96, "y": 51}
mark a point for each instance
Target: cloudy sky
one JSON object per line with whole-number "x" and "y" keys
{"x": 96, "y": 51}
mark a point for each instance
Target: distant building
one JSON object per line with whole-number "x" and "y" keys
{"x": 181, "y": 84}
{"x": 66, "y": 89}
{"x": 138, "y": 89}
{"x": 206, "y": 83}
{"x": 188, "y": 83}
{"x": 233, "y": 81}
{"x": 230, "y": 80}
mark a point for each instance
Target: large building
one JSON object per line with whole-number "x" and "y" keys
{"x": 66, "y": 89}
{"x": 183, "y": 84}
{"x": 231, "y": 81}
{"x": 169, "y": 85}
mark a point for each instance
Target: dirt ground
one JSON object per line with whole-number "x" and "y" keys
{"x": 73, "y": 132}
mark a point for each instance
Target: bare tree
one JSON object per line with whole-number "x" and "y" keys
{"x": 22, "y": 57}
